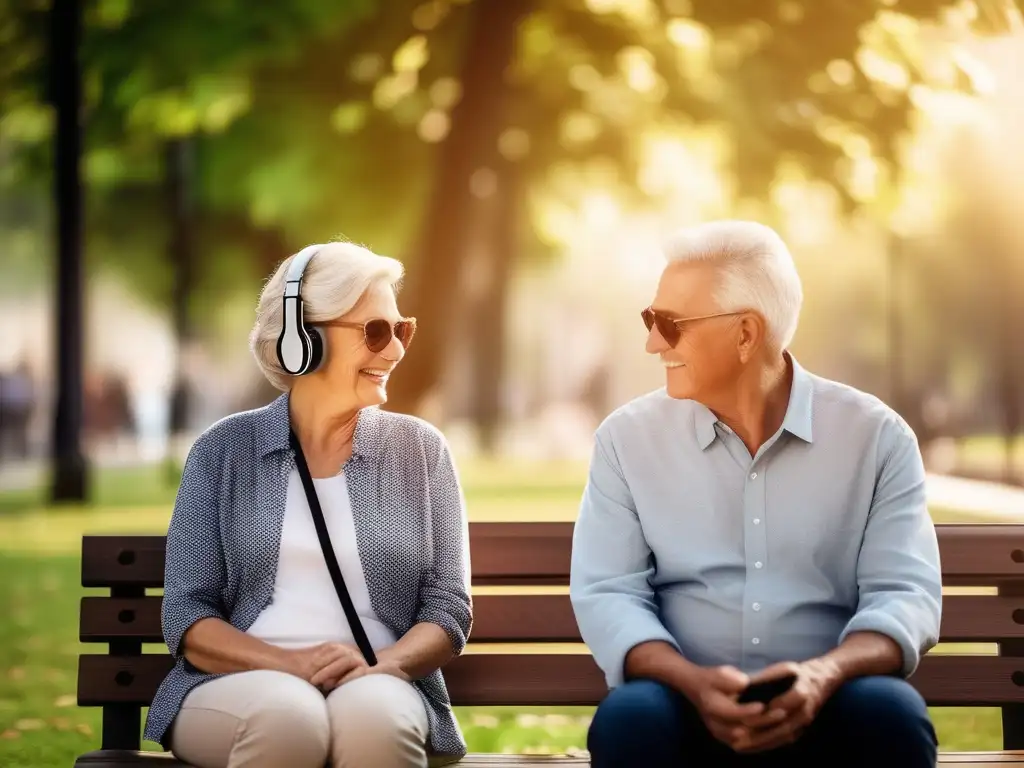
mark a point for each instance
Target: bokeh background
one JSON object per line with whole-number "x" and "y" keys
{"x": 524, "y": 159}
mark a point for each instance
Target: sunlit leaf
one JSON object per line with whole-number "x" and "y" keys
{"x": 412, "y": 55}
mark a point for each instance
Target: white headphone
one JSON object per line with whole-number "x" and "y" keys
{"x": 300, "y": 349}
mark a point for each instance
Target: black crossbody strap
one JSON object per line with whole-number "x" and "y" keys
{"x": 332, "y": 561}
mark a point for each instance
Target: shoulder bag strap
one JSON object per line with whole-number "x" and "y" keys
{"x": 332, "y": 561}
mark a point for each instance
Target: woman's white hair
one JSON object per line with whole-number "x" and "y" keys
{"x": 755, "y": 267}
{"x": 334, "y": 281}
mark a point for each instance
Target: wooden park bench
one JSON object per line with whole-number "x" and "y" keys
{"x": 510, "y": 555}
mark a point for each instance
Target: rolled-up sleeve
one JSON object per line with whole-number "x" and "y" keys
{"x": 194, "y": 571}
{"x": 899, "y": 574}
{"x": 611, "y": 568}
{"x": 445, "y": 588}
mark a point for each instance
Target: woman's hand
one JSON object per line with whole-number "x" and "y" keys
{"x": 324, "y": 664}
{"x": 382, "y": 667}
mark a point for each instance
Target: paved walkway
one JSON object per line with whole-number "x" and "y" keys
{"x": 995, "y": 500}
{"x": 24, "y": 475}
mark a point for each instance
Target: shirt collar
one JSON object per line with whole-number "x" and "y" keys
{"x": 798, "y": 418}
{"x": 274, "y": 424}
{"x": 800, "y": 413}
{"x": 704, "y": 424}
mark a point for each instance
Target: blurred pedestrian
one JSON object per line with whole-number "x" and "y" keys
{"x": 17, "y": 406}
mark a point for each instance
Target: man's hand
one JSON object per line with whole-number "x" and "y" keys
{"x": 790, "y": 713}
{"x": 715, "y": 696}
{"x": 324, "y": 664}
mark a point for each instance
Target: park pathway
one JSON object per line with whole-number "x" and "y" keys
{"x": 995, "y": 500}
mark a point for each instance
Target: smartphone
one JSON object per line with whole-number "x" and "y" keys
{"x": 766, "y": 690}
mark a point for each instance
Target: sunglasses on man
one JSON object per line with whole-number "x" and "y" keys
{"x": 670, "y": 328}
{"x": 378, "y": 333}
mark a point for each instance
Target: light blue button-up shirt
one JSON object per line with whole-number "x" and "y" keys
{"x": 683, "y": 537}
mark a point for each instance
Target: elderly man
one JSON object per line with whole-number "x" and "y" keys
{"x": 748, "y": 522}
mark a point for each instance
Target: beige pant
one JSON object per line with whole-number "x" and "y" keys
{"x": 266, "y": 719}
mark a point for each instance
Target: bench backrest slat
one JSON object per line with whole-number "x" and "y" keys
{"x": 539, "y": 554}
{"x": 486, "y": 679}
{"x": 110, "y": 561}
{"x": 502, "y": 553}
{"x": 981, "y": 555}
{"x": 545, "y": 619}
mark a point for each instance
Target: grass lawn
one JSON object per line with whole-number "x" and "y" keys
{"x": 40, "y": 724}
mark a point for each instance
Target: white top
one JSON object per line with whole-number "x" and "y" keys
{"x": 305, "y": 609}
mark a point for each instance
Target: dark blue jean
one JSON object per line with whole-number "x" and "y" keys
{"x": 870, "y": 722}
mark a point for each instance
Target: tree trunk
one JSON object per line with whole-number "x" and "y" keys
{"x": 489, "y": 335}
{"x": 1011, "y": 394}
{"x": 181, "y": 253}
{"x": 895, "y": 326}
{"x": 178, "y": 185}
{"x": 476, "y": 121}
{"x": 1011, "y": 385}
{"x": 69, "y": 466}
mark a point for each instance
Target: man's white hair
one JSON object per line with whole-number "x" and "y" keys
{"x": 756, "y": 271}
{"x": 333, "y": 282}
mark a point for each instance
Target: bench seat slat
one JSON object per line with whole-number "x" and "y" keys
{"x": 484, "y": 679}
{"x": 126, "y": 759}
{"x": 118, "y": 759}
{"x": 123, "y": 758}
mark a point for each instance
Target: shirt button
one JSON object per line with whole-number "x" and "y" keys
{"x": 756, "y": 641}
{"x": 757, "y": 521}
{"x": 756, "y": 606}
{"x": 753, "y": 475}
{"x": 758, "y": 564}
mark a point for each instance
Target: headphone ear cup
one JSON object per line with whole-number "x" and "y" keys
{"x": 318, "y": 348}
{"x": 293, "y": 351}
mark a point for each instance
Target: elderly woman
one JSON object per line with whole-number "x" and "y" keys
{"x": 317, "y": 574}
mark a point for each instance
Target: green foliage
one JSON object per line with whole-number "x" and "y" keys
{"x": 310, "y": 115}
{"x": 152, "y": 71}
{"x": 790, "y": 82}
{"x": 286, "y": 166}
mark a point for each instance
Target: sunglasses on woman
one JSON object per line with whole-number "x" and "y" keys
{"x": 378, "y": 332}
{"x": 670, "y": 328}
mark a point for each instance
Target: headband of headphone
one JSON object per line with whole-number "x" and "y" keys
{"x": 300, "y": 350}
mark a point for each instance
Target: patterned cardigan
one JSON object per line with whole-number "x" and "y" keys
{"x": 224, "y": 536}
